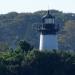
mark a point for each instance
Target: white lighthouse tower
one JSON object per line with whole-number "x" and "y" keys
{"x": 48, "y": 33}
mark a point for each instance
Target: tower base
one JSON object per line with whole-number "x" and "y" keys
{"x": 48, "y": 42}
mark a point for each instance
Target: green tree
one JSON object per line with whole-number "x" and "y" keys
{"x": 25, "y": 46}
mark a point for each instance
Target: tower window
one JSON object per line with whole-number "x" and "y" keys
{"x": 49, "y": 21}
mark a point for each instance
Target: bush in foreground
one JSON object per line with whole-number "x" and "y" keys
{"x": 37, "y": 63}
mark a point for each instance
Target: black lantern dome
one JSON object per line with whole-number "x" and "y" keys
{"x": 48, "y": 18}
{"x": 48, "y": 15}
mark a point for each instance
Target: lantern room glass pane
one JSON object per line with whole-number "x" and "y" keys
{"x": 49, "y": 21}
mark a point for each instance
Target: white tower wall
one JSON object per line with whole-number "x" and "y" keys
{"x": 48, "y": 42}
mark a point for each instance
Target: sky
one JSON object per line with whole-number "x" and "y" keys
{"x": 67, "y": 6}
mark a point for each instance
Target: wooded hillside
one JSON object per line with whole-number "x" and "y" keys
{"x": 18, "y": 26}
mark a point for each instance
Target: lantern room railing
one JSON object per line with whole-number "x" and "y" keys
{"x": 38, "y": 27}
{"x": 41, "y": 27}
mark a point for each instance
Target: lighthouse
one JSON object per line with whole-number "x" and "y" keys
{"x": 48, "y": 33}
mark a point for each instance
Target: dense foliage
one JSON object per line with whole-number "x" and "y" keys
{"x": 67, "y": 37}
{"x": 25, "y": 46}
{"x": 37, "y": 63}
